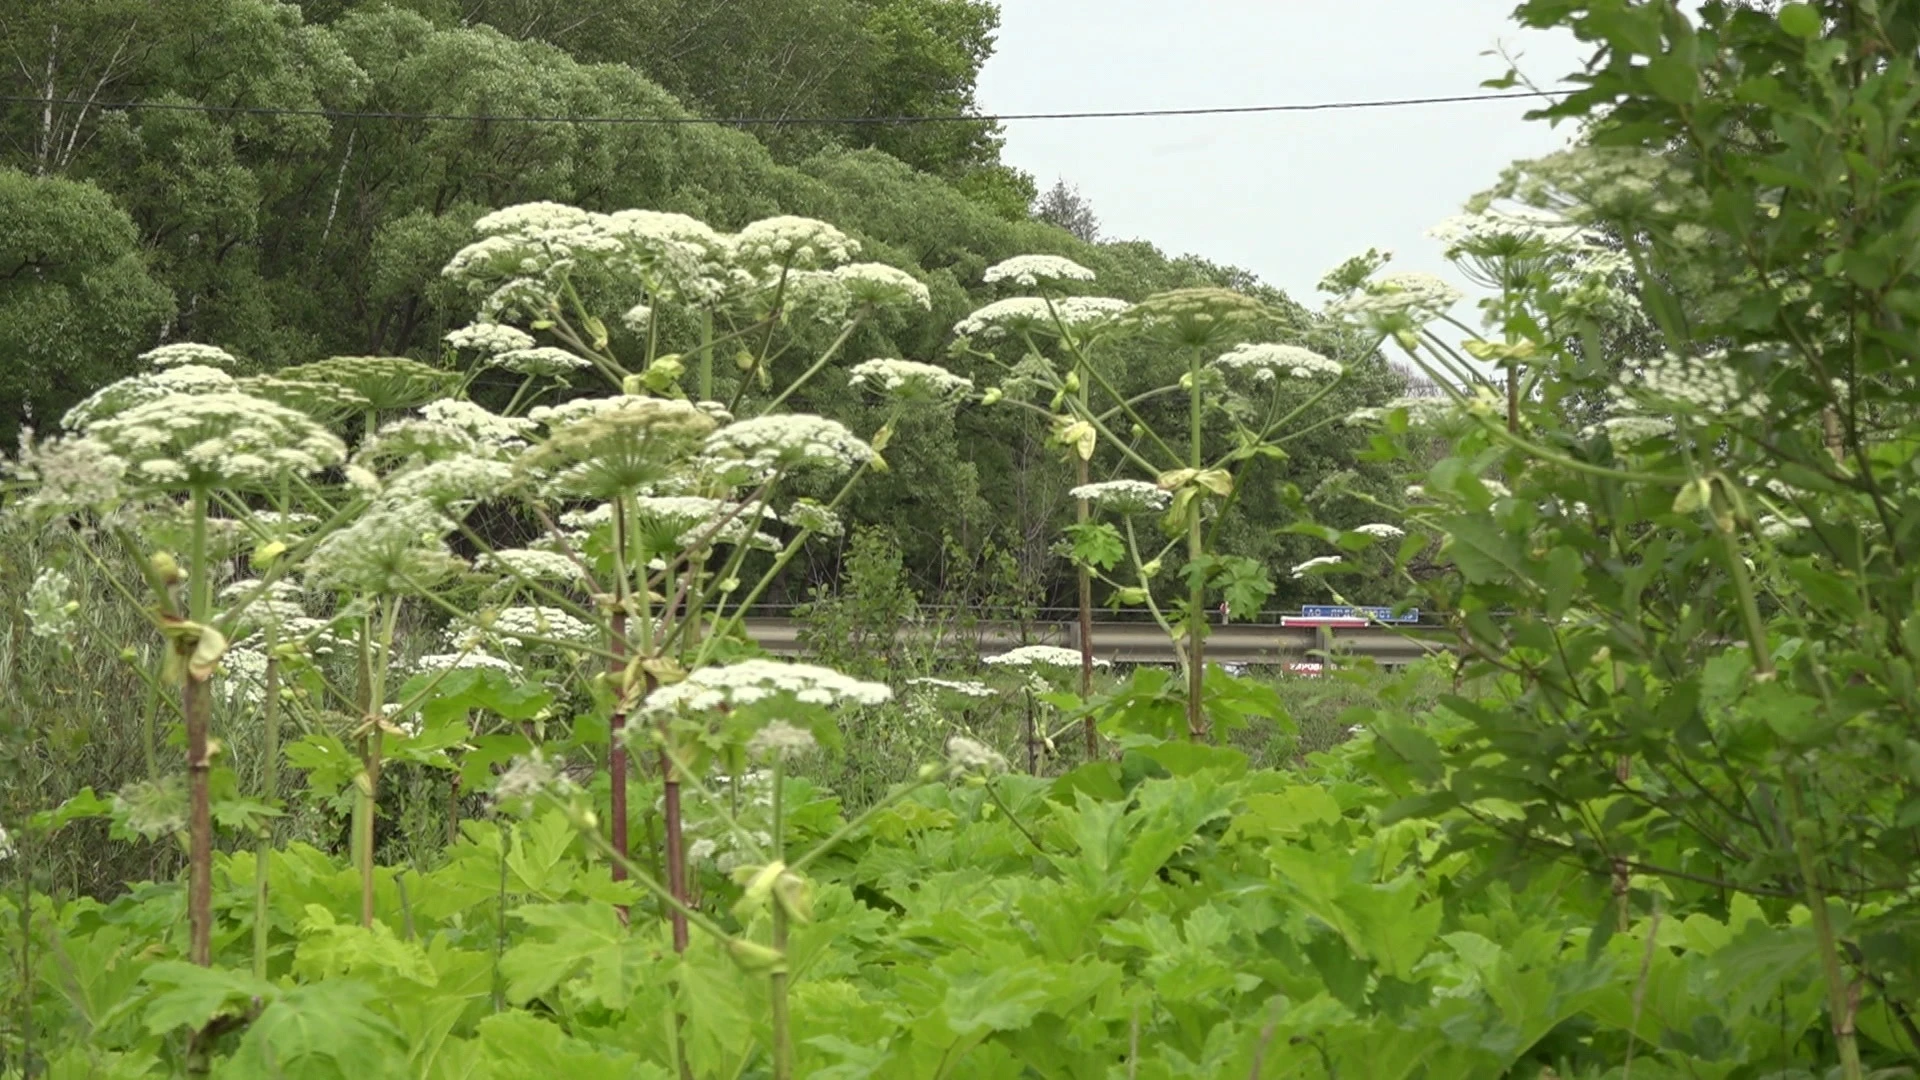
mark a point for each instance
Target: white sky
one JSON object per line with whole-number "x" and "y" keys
{"x": 1285, "y": 195}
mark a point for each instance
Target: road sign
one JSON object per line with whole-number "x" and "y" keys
{"x": 1374, "y": 614}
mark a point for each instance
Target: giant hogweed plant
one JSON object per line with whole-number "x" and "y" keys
{"x": 1699, "y": 608}
{"x": 1245, "y": 399}
{"x": 650, "y": 501}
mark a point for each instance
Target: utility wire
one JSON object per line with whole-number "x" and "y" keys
{"x": 774, "y": 121}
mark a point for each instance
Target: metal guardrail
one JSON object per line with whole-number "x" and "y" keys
{"x": 1146, "y": 643}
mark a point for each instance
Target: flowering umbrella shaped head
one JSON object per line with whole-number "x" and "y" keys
{"x": 1266, "y": 362}
{"x": 1016, "y": 315}
{"x": 674, "y": 523}
{"x": 1194, "y": 318}
{"x": 187, "y": 352}
{"x": 796, "y": 242}
{"x": 117, "y": 397}
{"x": 747, "y": 450}
{"x": 880, "y": 285}
{"x": 223, "y": 440}
{"x": 907, "y": 380}
{"x": 489, "y": 338}
{"x": 325, "y": 402}
{"x": 1040, "y": 656}
{"x": 395, "y": 547}
{"x": 1396, "y": 303}
{"x": 1125, "y": 496}
{"x": 387, "y": 382}
{"x": 674, "y": 256}
{"x": 1036, "y": 270}
{"x": 540, "y": 360}
{"x": 751, "y": 695}
{"x": 616, "y": 446}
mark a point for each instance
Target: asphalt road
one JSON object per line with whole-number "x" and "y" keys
{"x": 1145, "y": 643}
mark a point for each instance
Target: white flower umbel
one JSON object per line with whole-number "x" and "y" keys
{"x": 782, "y": 740}
{"x": 1040, "y": 656}
{"x": 969, "y": 755}
{"x": 530, "y": 215}
{"x": 541, "y": 360}
{"x": 6, "y": 845}
{"x": 1395, "y": 302}
{"x": 797, "y": 242}
{"x": 487, "y": 428}
{"x": 1033, "y": 314}
{"x": 1032, "y": 270}
{"x": 810, "y": 515}
{"x": 1263, "y": 362}
{"x": 530, "y": 777}
{"x": 117, "y": 397}
{"x": 395, "y": 547}
{"x": 450, "y": 481}
{"x": 51, "y": 609}
{"x": 467, "y": 659}
{"x": 638, "y": 318}
{"x": 787, "y": 441}
{"x": 1708, "y": 387}
{"x": 1125, "y": 496}
{"x": 529, "y": 563}
{"x": 611, "y": 446}
{"x": 881, "y": 285}
{"x": 968, "y": 688}
{"x": 1313, "y": 565}
{"x": 1380, "y": 531}
{"x": 1779, "y": 527}
{"x": 669, "y": 523}
{"x": 243, "y": 676}
{"x": 490, "y": 338}
{"x": 66, "y": 474}
{"x": 277, "y": 603}
{"x": 749, "y": 681}
{"x": 1424, "y": 413}
{"x": 523, "y": 622}
{"x": 218, "y": 440}
{"x": 1632, "y": 430}
{"x": 910, "y": 380}
{"x": 188, "y": 352}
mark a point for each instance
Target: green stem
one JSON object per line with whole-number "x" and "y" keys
{"x": 782, "y": 1036}
{"x": 616, "y": 671}
{"x": 706, "y": 354}
{"x": 269, "y": 791}
{"x": 196, "y": 705}
{"x": 1197, "y": 591}
{"x": 367, "y": 795}
{"x": 826, "y": 358}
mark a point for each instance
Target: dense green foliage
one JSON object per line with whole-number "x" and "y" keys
{"x": 287, "y": 238}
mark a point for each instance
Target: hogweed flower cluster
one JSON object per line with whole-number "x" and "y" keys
{"x": 749, "y": 681}
{"x": 1264, "y": 362}
{"x": 51, "y": 610}
{"x": 1032, "y": 270}
{"x": 910, "y": 380}
{"x": 1027, "y": 656}
{"x": 1125, "y": 496}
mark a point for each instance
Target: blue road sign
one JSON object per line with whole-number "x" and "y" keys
{"x": 1378, "y": 614}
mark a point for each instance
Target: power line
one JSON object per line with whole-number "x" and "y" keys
{"x": 772, "y": 121}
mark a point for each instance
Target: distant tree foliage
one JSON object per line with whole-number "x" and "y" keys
{"x": 76, "y": 299}
{"x": 1064, "y": 206}
{"x": 284, "y": 237}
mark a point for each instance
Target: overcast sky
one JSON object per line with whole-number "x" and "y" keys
{"x": 1284, "y": 195}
